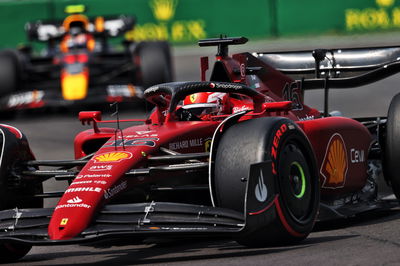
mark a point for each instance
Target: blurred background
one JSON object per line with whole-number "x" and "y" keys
{"x": 186, "y": 21}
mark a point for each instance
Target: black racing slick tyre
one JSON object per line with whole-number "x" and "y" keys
{"x": 8, "y": 75}
{"x": 14, "y": 191}
{"x": 11, "y": 252}
{"x": 11, "y": 64}
{"x": 391, "y": 165}
{"x": 155, "y": 63}
{"x": 281, "y": 141}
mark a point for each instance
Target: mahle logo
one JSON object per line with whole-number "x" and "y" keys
{"x": 163, "y": 10}
{"x": 385, "y": 15}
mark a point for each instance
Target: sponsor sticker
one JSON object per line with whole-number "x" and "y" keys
{"x": 139, "y": 134}
{"x": 64, "y": 221}
{"x": 207, "y": 145}
{"x": 334, "y": 166}
{"x": 73, "y": 205}
{"x": 75, "y": 200}
{"x": 112, "y": 157}
{"x": 111, "y": 192}
{"x": 261, "y": 191}
{"x": 82, "y": 182}
{"x": 150, "y": 142}
{"x": 93, "y": 176}
{"x": 357, "y": 156}
{"x": 186, "y": 144}
{"x": 84, "y": 189}
{"x": 240, "y": 108}
{"x": 85, "y": 182}
{"x": 275, "y": 144}
{"x": 100, "y": 167}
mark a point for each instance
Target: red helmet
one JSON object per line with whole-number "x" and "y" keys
{"x": 204, "y": 97}
{"x": 205, "y": 102}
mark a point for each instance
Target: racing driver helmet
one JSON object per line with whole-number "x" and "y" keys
{"x": 75, "y": 24}
{"x": 203, "y": 103}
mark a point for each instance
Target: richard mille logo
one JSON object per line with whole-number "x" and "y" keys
{"x": 261, "y": 191}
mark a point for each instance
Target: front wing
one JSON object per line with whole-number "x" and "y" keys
{"x": 29, "y": 226}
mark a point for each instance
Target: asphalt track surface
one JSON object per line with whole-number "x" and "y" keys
{"x": 372, "y": 239}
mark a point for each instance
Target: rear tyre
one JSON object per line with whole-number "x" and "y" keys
{"x": 11, "y": 63}
{"x": 155, "y": 63}
{"x": 391, "y": 165}
{"x": 14, "y": 191}
{"x": 8, "y": 74}
{"x": 251, "y": 142}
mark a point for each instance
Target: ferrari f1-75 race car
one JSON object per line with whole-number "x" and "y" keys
{"x": 238, "y": 156}
{"x": 80, "y": 66}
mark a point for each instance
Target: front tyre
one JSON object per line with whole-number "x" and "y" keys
{"x": 15, "y": 192}
{"x": 11, "y": 252}
{"x": 293, "y": 167}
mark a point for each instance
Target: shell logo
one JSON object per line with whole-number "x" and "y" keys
{"x": 112, "y": 157}
{"x": 335, "y": 164}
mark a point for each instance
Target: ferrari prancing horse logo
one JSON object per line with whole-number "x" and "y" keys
{"x": 335, "y": 164}
{"x": 193, "y": 98}
{"x": 64, "y": 221}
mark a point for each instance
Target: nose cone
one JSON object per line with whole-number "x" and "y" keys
{"x": 66, "y": 224}
{"x": 74, "y": 212}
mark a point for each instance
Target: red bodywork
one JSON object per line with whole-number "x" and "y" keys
{"x": 341, "y": 145}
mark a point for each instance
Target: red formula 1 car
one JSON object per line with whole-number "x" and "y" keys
{"x": 239, "y": 156}
{"x": 80, "y": 65}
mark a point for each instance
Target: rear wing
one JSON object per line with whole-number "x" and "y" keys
{"x": 48, "y": 30}
{"x": 333, "y": 63}
{"x": 335, "y": 68}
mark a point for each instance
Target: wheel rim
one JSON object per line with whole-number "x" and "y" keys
{"x": 295, "y": 182}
